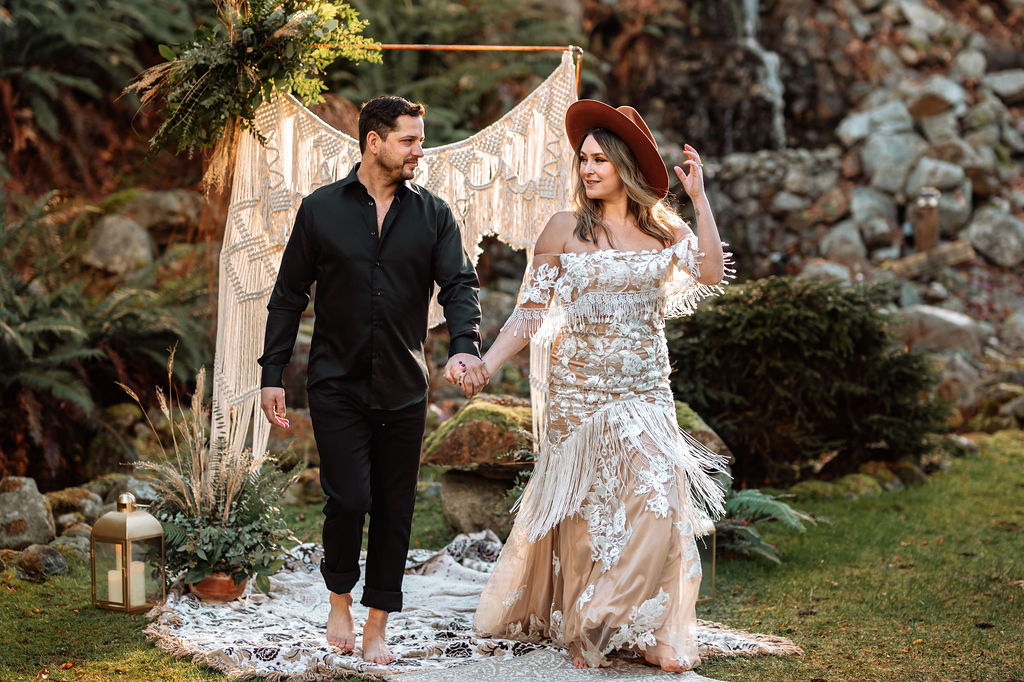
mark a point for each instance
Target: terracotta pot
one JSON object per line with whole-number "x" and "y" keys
{"x": 218, "y": 587}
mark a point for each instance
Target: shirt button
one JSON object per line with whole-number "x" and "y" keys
{"x": 378, "y": 264}
{"x": 378, "y": 293}
{"x": 371, "y": 202}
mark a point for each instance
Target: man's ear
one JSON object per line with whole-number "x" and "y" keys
{"x": 373, "y": 142}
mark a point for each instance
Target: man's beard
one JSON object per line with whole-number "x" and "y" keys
{"x": 397, "y": 172}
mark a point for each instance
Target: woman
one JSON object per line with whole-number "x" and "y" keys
{"x": 603, "y": 557}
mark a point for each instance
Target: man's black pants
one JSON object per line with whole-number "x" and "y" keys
{"x": 369, "y": 462}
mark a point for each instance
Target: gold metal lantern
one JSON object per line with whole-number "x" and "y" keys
{"x": 126, "y": 548}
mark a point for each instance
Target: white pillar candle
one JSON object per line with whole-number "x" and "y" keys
{"x": 114, "y": 586}
{"x": 137, "y": 584}
{"x": 117, "y": 552}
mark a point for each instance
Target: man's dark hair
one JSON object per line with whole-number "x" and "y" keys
{"x": 380, "y": 114}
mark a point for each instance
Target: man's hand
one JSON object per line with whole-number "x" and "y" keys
{"x": 468, "y": 372}
{"x": 272, "y": 402}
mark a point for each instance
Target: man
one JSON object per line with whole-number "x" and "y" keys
{"x": 375, "y": 244}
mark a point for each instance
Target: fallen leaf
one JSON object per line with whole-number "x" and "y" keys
{"x": 917, "y": 641}
{"x": 808, "y": 612}
{"x": 43, "y": 674}
{"x": 984, "y": 625}
{"x": 36, "y": 611}
{"x": 67, "y": 665}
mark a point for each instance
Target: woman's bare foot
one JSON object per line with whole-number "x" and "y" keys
{"x": 375, "y": 649}
{"x": 669, "y": 665}
{"x": 341, "y": 628}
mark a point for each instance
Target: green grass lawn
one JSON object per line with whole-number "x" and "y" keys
{"x": 922, "y": 584}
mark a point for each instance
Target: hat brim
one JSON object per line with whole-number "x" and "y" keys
{"x": 585, "y": 114}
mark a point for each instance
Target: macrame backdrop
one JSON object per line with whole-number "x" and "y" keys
{"x": 506, "y": 180}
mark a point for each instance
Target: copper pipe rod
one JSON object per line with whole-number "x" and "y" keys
{"x": 495, "y": 48}
{"x": 481, "y": 48}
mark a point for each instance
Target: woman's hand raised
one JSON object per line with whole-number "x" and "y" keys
{"x": 693, "y": 178}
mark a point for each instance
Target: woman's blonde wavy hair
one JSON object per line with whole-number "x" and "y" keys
{"x": 652, "y": 215}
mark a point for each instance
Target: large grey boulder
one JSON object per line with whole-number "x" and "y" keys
{"x": 1013, "y": 330}
{"x": 889, "y": 118}
{"x": 998, "y": 235}
{"x": 821, "y": 270}
{"x": 118, "y": 244}
{"x": 928, "y": 327}
{"x": 959, "y": 380}
{"x": 877, "y": 233}
{"x": 1008, "y": 85}
{"x": 868, "y": 202}
{"x": 844, "y": 244}
{"x": 39, "y": 562}
{"x": 968, "y": 64}
{"x": 934, "y": 96}
{"x": 24, "y": 517}
{"x": 929, "y": 172}
{"x": 887, "y": 159}
{"x": 941, "y": 128}
{"x": 922, "y": 18}
{"x": 472, "y": 503}
{"x": 164, "y": 209}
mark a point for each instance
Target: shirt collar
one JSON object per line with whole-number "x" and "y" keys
{"x": 405, "y": 187}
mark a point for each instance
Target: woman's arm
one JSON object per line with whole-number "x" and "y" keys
{"x": 514, "y": 335}
{"x": 712, "y": 266}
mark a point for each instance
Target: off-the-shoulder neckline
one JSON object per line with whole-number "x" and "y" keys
{"x": 623, "y": 252}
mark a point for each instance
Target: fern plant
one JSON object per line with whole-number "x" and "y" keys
{"x": 66, "y": 335}
{"x": 212, "y": 85}
{"x": 56, "y": 55}
{"x": 737, "y": 532}
{"x": 216, "y": 506}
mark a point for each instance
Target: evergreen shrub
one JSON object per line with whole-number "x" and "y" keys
{"x": 803, "y": 377}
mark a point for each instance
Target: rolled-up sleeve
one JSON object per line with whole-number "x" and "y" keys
{"x": 288, "y": 301}
{"x": 458, "y": 287}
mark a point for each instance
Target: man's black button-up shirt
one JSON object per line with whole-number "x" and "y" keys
{"x": 373, "y": 291}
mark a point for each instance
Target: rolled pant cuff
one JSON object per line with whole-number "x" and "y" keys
{"x": 339, "y": 583}
{"x": 379, "y": 599}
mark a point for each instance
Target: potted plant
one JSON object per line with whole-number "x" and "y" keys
{"x": 221, "y": 526}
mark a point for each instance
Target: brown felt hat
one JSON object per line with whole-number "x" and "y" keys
{"x": 627, "y": 123}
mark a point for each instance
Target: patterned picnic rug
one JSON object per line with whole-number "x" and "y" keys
{"x": 281, "y": 636}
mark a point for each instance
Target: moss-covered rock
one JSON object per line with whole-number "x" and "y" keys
{"x": 858, "y": 485}
{"x": 692, "y": 423}
{"x": 473, "y": 503}
{"x": 909, "y": 472}
{"x": 881, "y": 472}
{"x": 101, "y": 485}
{"x": 487, "y": 431}
{"x": 70, "y": 500}
{"x": 815, "y": 490}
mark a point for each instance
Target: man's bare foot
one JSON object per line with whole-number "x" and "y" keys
{"x": 375, "y": 649}
{"x": 579, "y": 663}
{"x": 669, "y": 665}
{"x": 341, "y": 628}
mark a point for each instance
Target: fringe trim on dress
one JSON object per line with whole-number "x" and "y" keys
{"x": 631, "y": 434}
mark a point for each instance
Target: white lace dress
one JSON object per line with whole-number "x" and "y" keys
{"x": 603, "y": 556}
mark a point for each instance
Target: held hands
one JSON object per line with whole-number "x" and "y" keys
{"x": 272, "y": 403}
{"x": 468, "y": 372}
{"x": 693, "y": 180}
